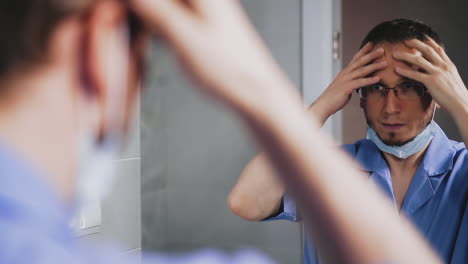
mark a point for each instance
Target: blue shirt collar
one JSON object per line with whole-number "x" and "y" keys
{"x": 439, "y": 155}
{"x": 369, "y": 155}
{"x": 25, "y": 196}
{"x": 437, "y": 160}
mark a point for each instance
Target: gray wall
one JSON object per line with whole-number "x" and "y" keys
{"x": 447, "y": 17}
{"x": 193, "y": 151}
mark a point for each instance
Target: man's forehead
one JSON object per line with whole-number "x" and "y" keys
{"x": 391, "y": 48}
{"x": 388, "y": 75}
{"x": 391, "y": 45}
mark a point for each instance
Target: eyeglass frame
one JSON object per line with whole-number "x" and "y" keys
{"x": 395, "y": 89}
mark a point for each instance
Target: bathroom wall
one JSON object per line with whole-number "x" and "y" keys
{"x": 194, "y": 149}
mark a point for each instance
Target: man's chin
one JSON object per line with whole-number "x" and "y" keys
{"x": 395, "y": 142}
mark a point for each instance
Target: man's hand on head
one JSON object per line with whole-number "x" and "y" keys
{"x": 352, "y": 77}
{"x": 436, "y": 71}
{"x": 219, "y": 47}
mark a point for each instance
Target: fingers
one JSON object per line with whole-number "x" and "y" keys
{"x": 361, "y": 52}
{"x": 366, "y": 59}
{"x": 428, "y": 52}
{"x": 415, "y": 60}
{"x": 205, "y": 7}
{"x": 412, "y": 74}
{"x": 362, "y": 82}
{"x": 440, "y": 51}
{"x": 171, "y": 17}
{"x": 361, "y": 66}
{"x": 367, "y": 70}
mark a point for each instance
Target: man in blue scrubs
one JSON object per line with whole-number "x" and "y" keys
{"x": 68, "y": 79}
{"x": 400, "y": 68}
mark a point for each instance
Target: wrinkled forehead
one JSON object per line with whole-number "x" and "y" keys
{"x": 389, "y": 75}
{"x": 391, "y": 48}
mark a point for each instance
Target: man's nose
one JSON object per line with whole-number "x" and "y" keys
{"x": 392, "y": 103}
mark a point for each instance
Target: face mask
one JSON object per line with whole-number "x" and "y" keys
{"x": 97, "y": 158}
{"x": 96, "y": 177}
{"x": 408, "y": 149}
{"x": 96, "y": 170}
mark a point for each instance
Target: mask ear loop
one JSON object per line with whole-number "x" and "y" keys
{"x": 97, "y": 171}
{"x": 433, "y": 113}
{"x": 118, "y": 93}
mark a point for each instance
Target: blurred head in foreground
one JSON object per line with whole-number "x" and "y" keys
{"x": 69, "y": 74}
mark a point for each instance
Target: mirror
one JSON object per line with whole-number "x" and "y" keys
{"x": 191, "y": 150}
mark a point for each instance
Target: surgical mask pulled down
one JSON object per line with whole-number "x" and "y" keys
{"x": 97, "y": 155}
{"x": 408, "y": 149}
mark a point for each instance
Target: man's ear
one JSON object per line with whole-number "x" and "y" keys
{"x": 101, "y": 33}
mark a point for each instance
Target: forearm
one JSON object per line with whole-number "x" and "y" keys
{"x": 318, "y": 112}
{"x": 343, "y": 212}
{"x": 258, "y": 192}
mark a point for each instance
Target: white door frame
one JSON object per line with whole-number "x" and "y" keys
{"x": 320, "y": 20}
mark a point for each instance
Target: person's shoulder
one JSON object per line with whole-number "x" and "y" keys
{"x": 459, "y": 167}
{"x": 461, "y": 153}
{"x": 458, "y": 146}
{"x": 21, "y": 243}
{"x": 353, "y": 148}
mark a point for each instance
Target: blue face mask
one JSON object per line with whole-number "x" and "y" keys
{"x": 408, "y": 149}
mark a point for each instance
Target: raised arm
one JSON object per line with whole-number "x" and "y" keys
{"x": 257, "y": 194}
{"x": 350, "y": 221}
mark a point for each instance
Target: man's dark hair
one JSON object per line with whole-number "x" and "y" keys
{"x": 25, "y": 29}
{"x": 399, "y": 30}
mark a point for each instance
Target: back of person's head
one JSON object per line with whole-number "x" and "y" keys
{"x": 73, "y": 65}
{"x": 26, "y": 27}
{"x": 399, "y": 30}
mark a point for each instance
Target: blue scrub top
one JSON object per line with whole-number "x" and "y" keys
{"x": 34, "y": 226}
{"x": 436, "y": 201}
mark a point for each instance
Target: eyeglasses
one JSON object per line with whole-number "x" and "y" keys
{"x": 407, "y": 90}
